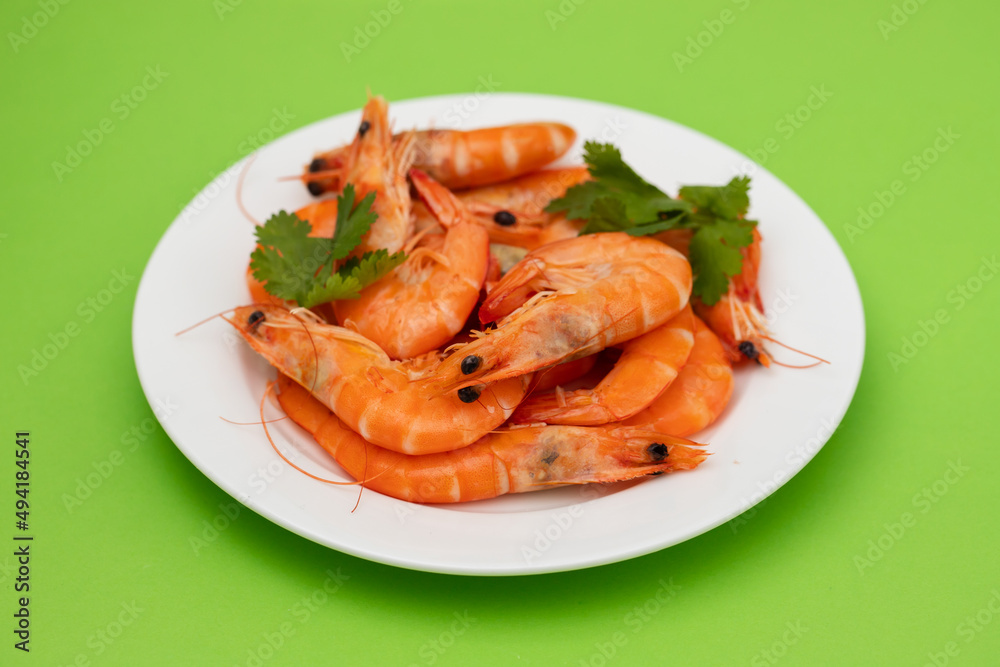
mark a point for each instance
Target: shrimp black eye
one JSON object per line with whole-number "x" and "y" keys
{"x": 469, "y": 394}
{"x": 256, "y": 317}
{"x": 318, "y": 164}
{"x": 658, "y": 451}
{"x": 315, "y": 189}
{"x": 505, "y": 218}
{"x": 363, "y": 128}
{"x": 749, "y": 350}
{"x": 471, "y": 364}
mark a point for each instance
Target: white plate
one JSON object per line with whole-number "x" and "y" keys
{"x": 777, "y": 421}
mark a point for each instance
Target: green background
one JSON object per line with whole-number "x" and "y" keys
{"x": 818, "y": 574}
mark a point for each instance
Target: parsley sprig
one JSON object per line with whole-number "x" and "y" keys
{"x": 295, "y": 266}
{"x": 618, "y": 199}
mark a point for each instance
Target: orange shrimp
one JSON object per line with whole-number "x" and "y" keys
{"x": 562, "y": 374}
{"x": 560, "y": 228}
{"x": 513, "y": 212}
{"x": 528, "y": 195}
{"x": 375, "y": 163}
{"x": 377, "y": 397}
{"x": 459, "y": 159}
{"x": 567, "y": 300}
{"x": 649, "y": 363}
{"x": 737, "y": 317}
{"x": 699, "y": 394}
{"x": 426, "y": 300}
{"x": 508, "y": 461}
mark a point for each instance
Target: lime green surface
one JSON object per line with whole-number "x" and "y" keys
{"x": 874, "y": 554}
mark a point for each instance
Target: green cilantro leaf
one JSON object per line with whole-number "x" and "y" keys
{"x": 607, "y": 214}
{"x": 729, "y": 201}
{"x": 353, "y": 222}
{"x": 605, "y": 164}
{"x": 297, "y": 267}
{"x": 287, "y": 259}
{"x": 618, "y": 199}
{"x": 353, "y": 276}
{"x": 643, "y": 201}
{"x": 713, "y": 263}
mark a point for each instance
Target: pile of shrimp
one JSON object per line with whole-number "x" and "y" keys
{"x": 507, "y": 353}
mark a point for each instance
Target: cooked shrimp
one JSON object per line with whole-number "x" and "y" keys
{"x": 699, "y": 394}
{"x": 569, "y": 299}
{"x": 649, "y": 363}
{"x": 527, "y": 195}
{"x": 560, "y": 228}
{"x": 507, "y": 461}
{"x": 426, "y": 300}
{"x": 737, "y": 318}
{"x": 523, "y": 232}
{"x": 562, "y": 374}
{"x": 513, "y": 212}
{"x": 375, "y": 163}
{"x": 459, "y": 159}
{"x": 377, "y": 397}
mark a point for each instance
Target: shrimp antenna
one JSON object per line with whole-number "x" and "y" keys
{"x": 207, "y": 319}
{"x": 239, "y": 189}
{"x": 264, "y": 422}
{"x": 819, "y": 360}
{"x": 321, "y": 175}
{"x": 784, "y": 365}
{"x": 269, "y": 421}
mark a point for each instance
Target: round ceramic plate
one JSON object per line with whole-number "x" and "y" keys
{"x": 778, "y": 418}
